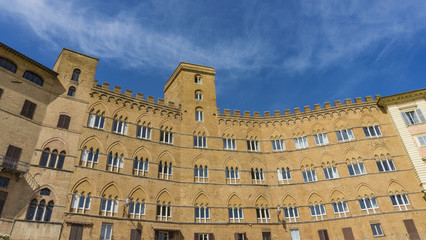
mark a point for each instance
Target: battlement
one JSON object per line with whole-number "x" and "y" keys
{"x": 297, "y": 111}
{"x": 138, "y": 97}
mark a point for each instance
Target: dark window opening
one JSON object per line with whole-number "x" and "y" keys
{"x": 28, "y": 109}
{"x": 33, "y": 78}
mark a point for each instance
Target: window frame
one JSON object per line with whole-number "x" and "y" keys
{"x": 375, "y": 227}
{"x": 140, "y": 166}
{"x": 201, "y": 173}
{"x": 372, "y": 131}
{"x": 341, "y": 207}
{"x": 33, "y": 77}
{"x": 232, "y": 175}
{"x": 396, "y": 198}
{"x": 166, "y": 136}
{"x": 165, "y": 171}
{"x": 321, "y": 139}
{"x": 200, "y": 141}
{"x": 143, "y": 132}
{"x": 202, "y": 210}
{"x": 263, "y": 214}
{"x": 330, "y": 171}
{"x": 257, "y": 176}
{"x": 28, "y": 109}
{"x": 385, "y": 165}
{"x": 104, "y": 228}
{"x": 278, "y": 145}
{"x": 318, "y": 210}
{"x": 253, "y": 145}
{"x": 132, "y": 209}
{"x": 360, "y": 166}
{"x": 345, "y": 132}
{"x": 368, "y": 203}
{"x": 64, "y": 121}
{"x": 309, "y": 175}
{"x": 96, "y": 121}
{"x": 89, "y": 155}
{"x": 119, "y": 127}
{"x": 8, "y": 65}
{"x": 416, "y": 117}
{"x": 236, "y": 214}
{"x": 291, "y": 213}
{"x": 229, "y": 144}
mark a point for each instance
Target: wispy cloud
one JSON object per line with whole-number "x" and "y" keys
{"x": 294, "y": 37}
{"x": 124, "y": 36}
{"x": 339, "y": 31}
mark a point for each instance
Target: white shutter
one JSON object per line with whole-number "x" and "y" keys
{"x": 325, "y": 138}
{"x": 280, "y": 176}
{"x": 84, "y": 154}
{"x": 92, "y": 120}
{"x": 121, "y": 161}
{"x": 116, "y": 206}
{"x": 125, "y": 128}
{"x": 74, "y": 201}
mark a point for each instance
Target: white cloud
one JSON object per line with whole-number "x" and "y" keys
{"x": 123, "y": 37}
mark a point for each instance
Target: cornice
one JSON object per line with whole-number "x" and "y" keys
{"x": 402, "y": 97}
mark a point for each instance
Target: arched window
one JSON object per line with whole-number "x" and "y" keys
{"x": 199, "y": 116}
{"x": 200, "y": 173}
{"x": 136, "y": 209}
{"x": 198, "y": 95}
{"x": 52, "y": 159}
{"x": 202, "y": 213}
{"x": 81, "y": 203}
{"x": 109, "y": 207}
{"x": 39, "y": 211}
{"x": 96, "y": 121}
{"x": 164, "y": 170}
{"x": 164, "y": 211}
{"x": 33, "y": 78}
{"x": 45, "y": 192}
{"x": 76, "y": 75}
{"x": 232, "y": 175}
{"x": 7, "y": 64}
{"x": 115, "y": 162}
{"x": 89, "y": 157}
{"x": 257, "y": 176}
{"x": 71, "y": 91}
{"x": 283, "y": 175}
{"x": 140, "y": 166}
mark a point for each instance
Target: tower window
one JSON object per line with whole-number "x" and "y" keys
{"x": 198, "y": 80}
{"x": 71, "y": 91}
{"x": 76, "y": 75}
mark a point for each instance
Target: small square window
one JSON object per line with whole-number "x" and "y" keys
{"x": 4, "y": 182}
{"x": 377, "y": 230}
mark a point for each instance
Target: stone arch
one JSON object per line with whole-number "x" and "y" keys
{"x": 234, "y": 200}
{"x": 230, "y": 162}
{"x": 341, "y": 123}
{"x": 110, "y": 190}
{"x": 289, "y": 200}
{"x": 36, "y": 194}
{"x": 395, "y": 187}
{"x": 92, "y": 141}
{"x": 337, "y": 195}
{"x": 251, "y": 135}
{"x": 369, "y": 120}
{"x": 201, "y": 160}
{"x": 327, "y": 158}
{"x": 276, "y": 134}
{"x": 144, "y": 120}
{"x": 318, "y": 128}
{"x": 164, "y": 197}
{"x": 166, "y": 125}
{"x": 200, "y": 130}
{"x": 315, "y": 198}
{"x": 201, "y": 199}
{"x": 381, "y": 150}
{"x": 228, "y": 132}
{"x": 298, "y": 131}
{"x": 352, "y": 153}
{"x": 141, "y": 152}
{"x": 137, "y": 194}
{"x": 256, "y": 163}
{"x": 261, "y": 201}
{"x": 306, "y": 162}
{"x": 117, "y": 147}
{"x": 364, "y": 190}
{"x": 55, "y": 143}
{"x": 165, "y": 156}
{"x": 121, "y": 114}
{"x": 84, "y": 186}
{"x": 99, "y": 108}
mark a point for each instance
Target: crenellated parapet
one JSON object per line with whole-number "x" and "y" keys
{"x": 127, "y": 99}
{"x": 307, "y": 114}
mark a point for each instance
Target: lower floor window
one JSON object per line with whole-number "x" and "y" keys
{"x": 240, "y": 236}
{"x": 164, "y": 212}
{"x": 204, "y": 236}
{"x": 40, "y": 211}
{"x": 106, "y": 231}
{"x": 377, "y": 230}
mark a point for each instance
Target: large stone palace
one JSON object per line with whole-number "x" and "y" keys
{"x": 82, "y": 160}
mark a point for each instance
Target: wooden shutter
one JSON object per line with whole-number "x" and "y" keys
{"x": 135, "y": 234}
{"x": 348, "y": 234}
{"x": 28, "y": 109}
{"x": 13, "y": 152}
{"x": 323, "y": 235}
{"x": 196, "y": 236}
{"x": 76, "y": 232}
{"x": 235, "y": 236}
{"x": 64, "y": 121}
{"x": 411, "y": 229}
{"x": 3, "y": 196}
{"x": 211, "y": 236}
{"x": 1, "y": 92}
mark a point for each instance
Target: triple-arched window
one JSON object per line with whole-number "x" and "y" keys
{"x": 41, "y": 209}
{"x": 52, "y": 159}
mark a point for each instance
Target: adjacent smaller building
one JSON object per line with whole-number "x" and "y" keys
{"x": 406, "y": 110}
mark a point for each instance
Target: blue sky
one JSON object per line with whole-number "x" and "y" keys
{"x": 268, "y": 55}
